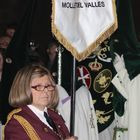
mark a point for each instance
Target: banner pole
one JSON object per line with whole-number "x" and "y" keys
{"x": 59, "y": 64}
{"x": 73, "y": 87}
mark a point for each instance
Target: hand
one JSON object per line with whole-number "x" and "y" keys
{"x": 119, "y": 63}
{"x": 72, "y": 138}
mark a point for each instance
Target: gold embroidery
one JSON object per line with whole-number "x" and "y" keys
{"x": 106, "y": 96}
{"x": 95, "y": 66}
{"x": 100, "y": 118}
{"x": 12, "y": 113}
{"x": 94, "y": 101}
{"x": 24, "y": 123}
{"x": 8, "y": 118}
{"x": 3, "y": 132}
{"x": 102, "y": 81}
{"x": 27, "y": 127}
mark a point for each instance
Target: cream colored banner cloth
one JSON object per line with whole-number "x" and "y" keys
{"x": 81, "y": 25}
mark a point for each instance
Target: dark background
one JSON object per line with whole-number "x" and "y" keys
{"x": 12, "y": 10}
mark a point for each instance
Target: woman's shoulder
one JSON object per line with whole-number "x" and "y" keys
{"x": 11, "y": 123}
{"x": 16, "y": 124}
{"x": 13, "y": 112}
{"x": 16, "y": 114}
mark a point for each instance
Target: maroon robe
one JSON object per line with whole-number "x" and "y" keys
{"x": 14, "y": 130}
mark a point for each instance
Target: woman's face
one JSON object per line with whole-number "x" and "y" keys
{"x": 42, "y": 91}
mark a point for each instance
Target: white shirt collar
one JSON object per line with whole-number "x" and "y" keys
{"x": 39, "y": 114}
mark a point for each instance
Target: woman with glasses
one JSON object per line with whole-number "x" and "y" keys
{"x": 34, "y": 95}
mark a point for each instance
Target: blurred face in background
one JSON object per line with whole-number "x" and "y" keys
{"x": 1, "y": 61}
{"x": 53, "y": 49}
{"x": 10, "y": 32}
{"x": 4, "y": 41}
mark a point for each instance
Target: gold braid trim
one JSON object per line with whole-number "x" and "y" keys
{"x": 27, "y": 127}
{"x": 24, "y": 123}
{"x": 8, "y": 118}
{"x": 12, "y": 113}
{"x": 2, "y": 132}
{"x": 83, "y": 55}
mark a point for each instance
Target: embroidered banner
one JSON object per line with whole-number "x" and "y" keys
{"x": 81, "y": 25}
{"x": 96, "y": 73}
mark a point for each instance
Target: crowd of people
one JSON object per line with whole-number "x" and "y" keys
{"x": 5, "y": 38}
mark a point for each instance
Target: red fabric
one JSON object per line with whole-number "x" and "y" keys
{"x": 14, "y": 131}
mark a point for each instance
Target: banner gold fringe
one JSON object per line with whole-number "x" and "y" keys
{"x": 93, "y": 46}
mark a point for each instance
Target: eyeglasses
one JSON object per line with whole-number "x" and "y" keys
{"x": 42, "y": 87}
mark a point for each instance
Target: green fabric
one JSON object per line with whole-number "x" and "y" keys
{"x": 118, "y": 102}
{"x": 124, "y": 40}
